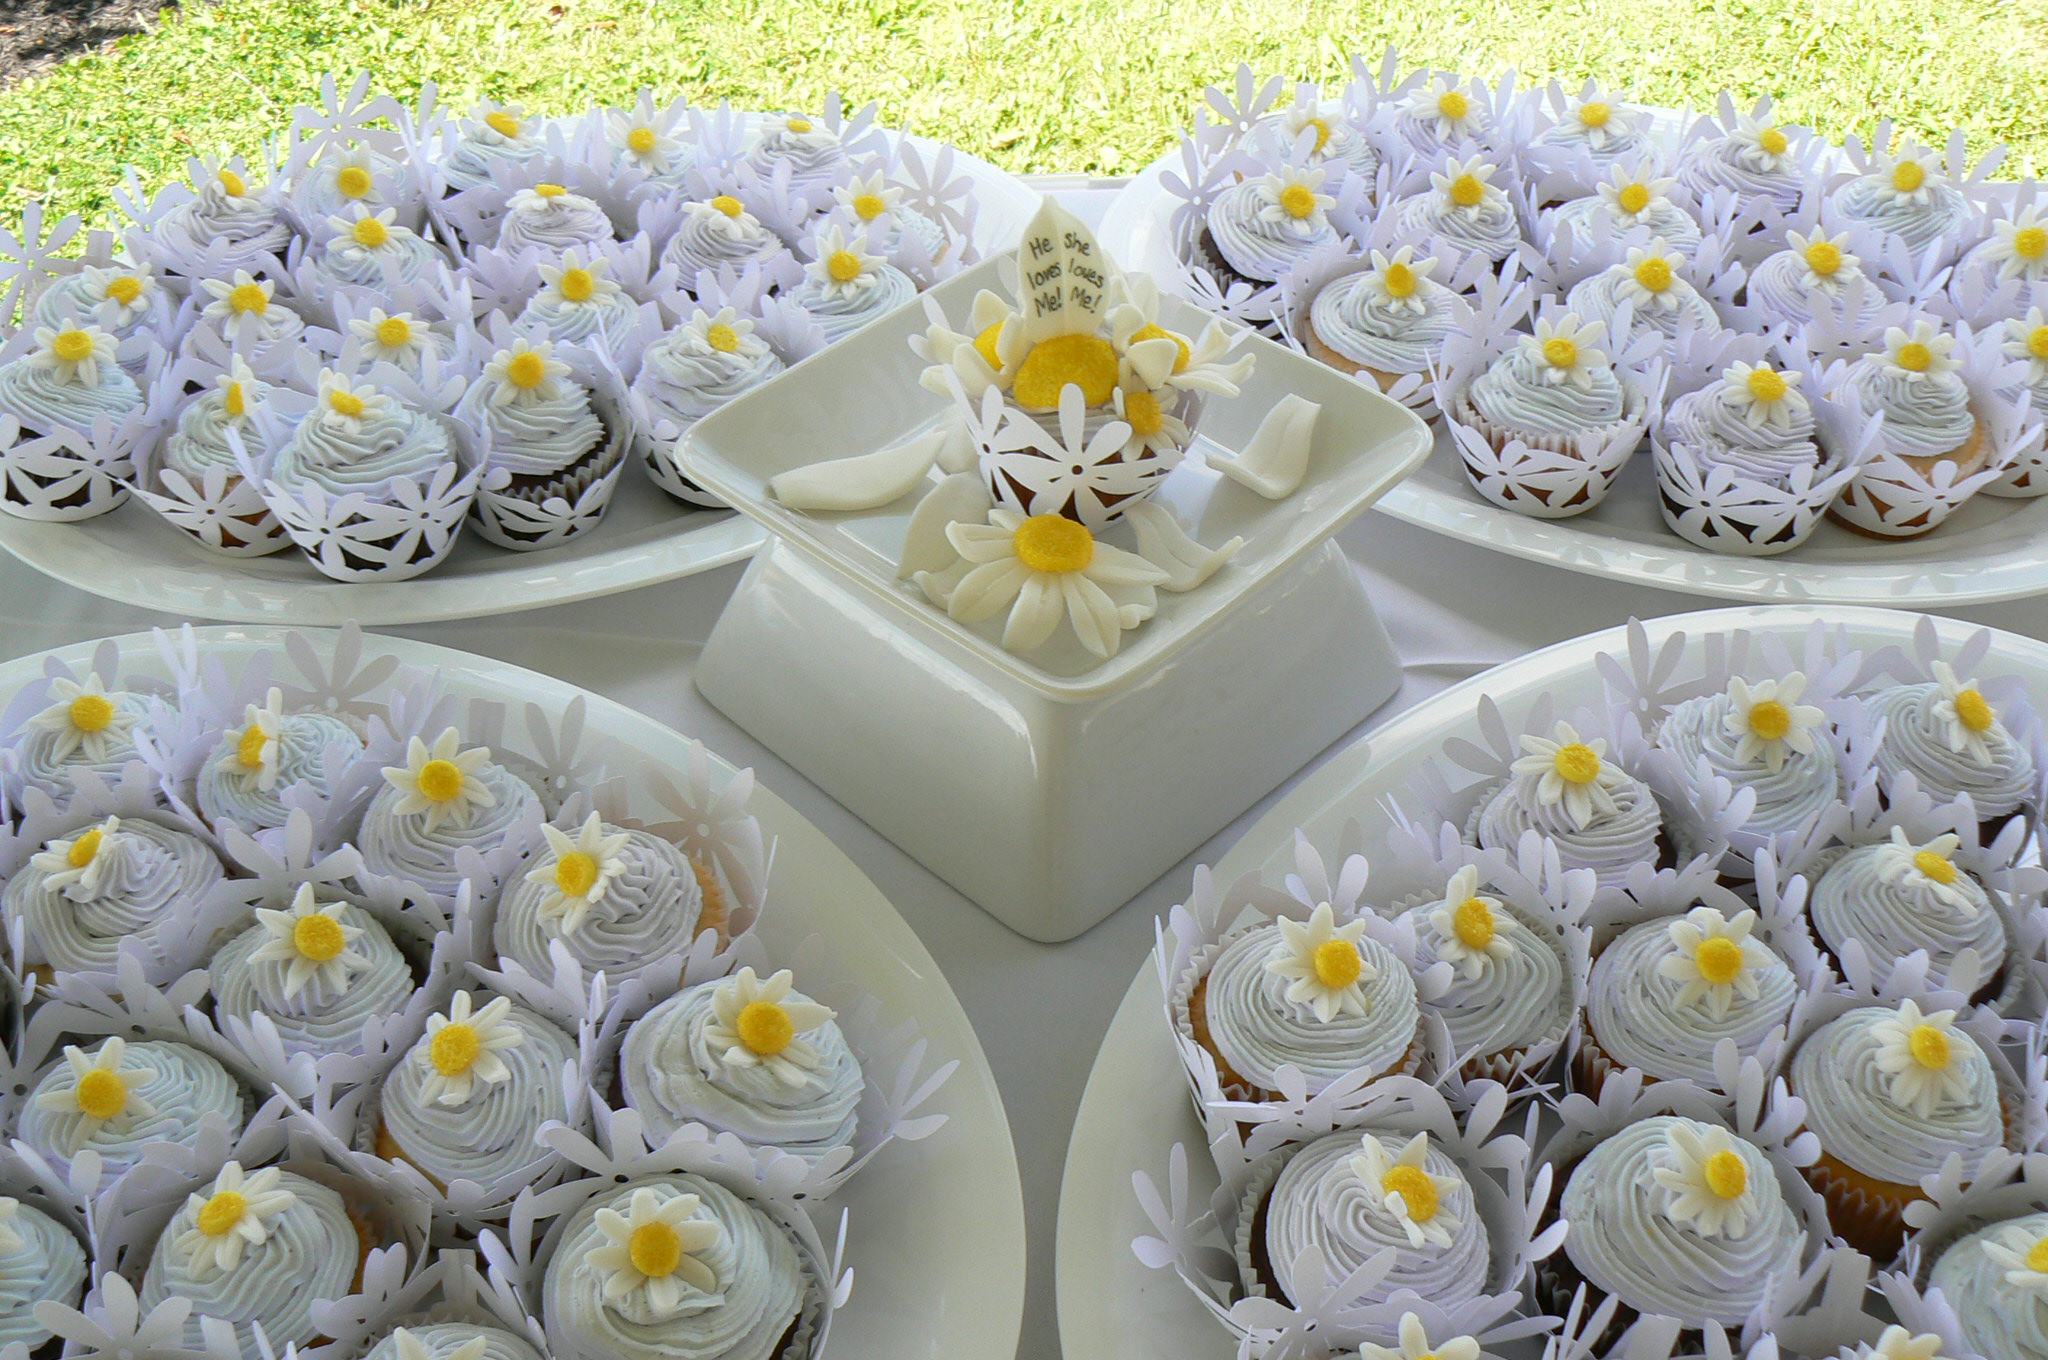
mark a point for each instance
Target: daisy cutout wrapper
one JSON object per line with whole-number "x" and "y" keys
{"x": 1405, "y": 1190}
{"x": 73, "y": 355}
{"x": 1322, "y": 963}
{"x": 1918, "y": 1052}
{"x": 1928, "y": 871}
{"x": 233, "y": 1215}
{"x": 576, "y": 872}
{"x": 439, "y": 782}
{"x": 649, "y": 1260}
{"x": 76, "y": 867}
{"x": 1468, "y": 925}
{"x": 253, "y": 763}
{"x": 1710, "y": 1182}
{"x": 757, "y": 1023}
{"x": 1768, "y": 398}
{"x": 1768, "y": 722}
{"x": 313, "y": 943}
{"x": 1415, "y": 1345}
{"x": 101, "y": 1090}
{"x": 1571, "y": 772}
{"x": 1967, "y": 714}
{"x": 1294, "y": 201}
{"x": 1713, "y": 959}
{"x": 85, "y": 718}
{"x": 458, "y": 1056}
{"x": 2022, "y": 1255}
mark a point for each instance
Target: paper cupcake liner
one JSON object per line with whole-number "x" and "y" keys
{"x": 1548, "y": 478}
{"x": 2027, "y": 476}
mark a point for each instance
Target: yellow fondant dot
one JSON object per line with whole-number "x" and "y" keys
{"x": 1322, "y": 134}
{"x": 2037, "y": 1256}
{"x": 502, "y": 123}
{"x": 1560, "y": 352}
{"x": 440, "y": 780}
{"x": 1768, "y": 718}
{"x": 1929, "y": 1047}
{"x": 453, "y": 1048}
{"x": 1633, "y": 198}
{"x": 369, "y": 232}
{"x": 843, "y": 265}
{"x": 1595, "y": 114}
{"x": 526, "y": 369}
{"x": 549, "y": 190}
{"x": 91, "y": 712}
{"x": 2037, "y": 342}
{"x": 248, "y": 297}
{"x": 125, "y": 288}
{"x": 1772, "y": 141}
{"x": 868, "y": 207}
{"x": 1298, "y": 200}
{"x": 83, "y": 849}
{"x": 1152, "y": 330}
{"x": 353, "y": 181}
{"x": 1576, "y": 763}
{"x": 1766, "y": 384}
{"x": 1654, "y": 273}
{"x": 764, "y": 1028}
{"x": 1726, "y": 1174}
{"x": 101, "y": 1094}
{"x": 71, "y": 346}
{"x": 318, "y": 937}
{"x": 1053, "y": 543}
{"x": 232, "y": 184}
{"x": 728, "y": 205}
{"x": 1823, "y": 258}
{"x": 1936, "y": 867}
{"x": 1974, "y": 711}
{"x": 394, "y": 331}
{"x": 1719, "y": 960}
{"x": 985, "y": 345}
{"x": 575, "y": 873}
{"x": 640, "y": 140}
{"x": 345, "y": 403}
{"x": 2030, "y": 243}
{"x": 577, "y": 284}
{"x": 1914, "y": 357}
{"x": 798, "y": 124}
{"x": 1417, "y": 1191}
{"x": 655, "y": 1250}
{"x": 1453, "y": 105}
{"x": 1142, "y": 413}
{"x": 722, "y": 338}
{"x": 234, "y": 401}
{"x": 1467, "y": 190}
{"x": 1472, "y": 922}
{"x": 1908, "y": 176}
{"x": 249, "y": 747}
{"x": 1398, "y": 279}
{"x": 221, "y": 1212}
{"x": 1337, "y": 963}
{"x": 1087, "y": 361}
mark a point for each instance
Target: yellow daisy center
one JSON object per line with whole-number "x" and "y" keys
{"x": 798, "y": 124}
{"x": 577, "y": 284}
{"x": 1768, "y": 718}
{"x": 369, "y": 232}
{"x": 1773, "y": 141}
{"x": 1908, "y": 176}
{"x": 526, "y": 369}
{"x": 84, "y": 849}
{"x": 843, "y": 265}
{"x": 1398, "y": 279}
{"x": 1559, "y": 352}
{"x": 1719, "y": 960}
{"x": 1972, "y": 710}
{"x": 91, "y": 712}
{"x": 1298, "y": 200}
{"x": 394, "y": 331}
{"x": 1633, "y": 198}
{"x": 655, "y": 1250}
{"x": 2037, "y": 342}
{"x": 2030, "y": 243}
{"x": 1594, "y": 114}
{"x": 233, "y": 400}
{"x": 867, "y": 207}
{"x": 640, "y": 140}
{"x": 318, "y": 937}
{"x": 728, "y": 205}
{"x": 101, "y": 1094}
{"x": 1467, "y": 190}
{"x": 1472, "y": 923}
{"x": 1654, "y": 273}
{"x": 722, "y": 338}
{"x": 1766, "y": 384}
{"x": 249, "y": 746}
{"x": 453, "y": 1048}
{"x": 985, "y": 344}
{"x": 575, "y": 873}
{"x": 764, "y": 1027}
{"x": 248, "y": 298}
{"x": 1576, "y": 763}
{"x": 1914, "y": 357}
{"x": 232, "y": 184}
{"x": 440, "y": 780}
{"x": 1087, "y": 361}
{"x": 549, "y": 190}
{"x": 1141, "y": 412}
{"x": 126, "y": 288}
{"x": 1453, "y": 105}
{"x": 1149, "y": 331}
{"x": 72, "y": 346}
{"x": 221, "y": 1212}
{"x": 1929, "y": 1047}
{"x": 1936, "y": 867}
{"x": 1053, "y": 544}
{"x": 352, "y": 181}
{"x": 1823, "y": 258}
{"x": 1336, "y": 963}
{"x": 2037, "y": 1256}
{"x": 1726, "y": 1174}
{"x": 345, "y": 403}
{"x": 1417, "y": 1191}
{"x": 502, "y": 123}
{"x": 1322, "y": 133}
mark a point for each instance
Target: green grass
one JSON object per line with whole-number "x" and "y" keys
{"x": 1086, "y": 85}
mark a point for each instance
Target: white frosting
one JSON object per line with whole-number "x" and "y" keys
{"x": 1257, "y": 1030}
{"x": 1667, "y": 312}
{"x": 184, "y": 1084}
{"x": 490, "y": 1134}
{"x": 1731, "y": 162}
{"x": 1804, "y": 782}
{"x": 200, "y": 441}
{"x": 1926, "y": 415}
{"x": 317, "y": 1018}
{"x": 1255, "y": 242}
{"x": 683, "y": 378}
{"x": 1518, "y": 393}
{"x": 1635, "y": 1010}
{"x": 1874, "y": 894}
{"x": 452, "y": 1341}
{"x": 1852, "y": 1108}
{"x": 1919, "y": 219}
{"x": 39, "y": 1259}
{"x": 543, "y": 437}
{"x": 389, "y": 443}
{"x": 1786, "y": 289}
{"x": 145, "y": 872}
{"x": 811, "y": 151}
{"x": 248, "y": 221}
{"x": 709, "y": 238}
{"x": 1917, "y": 738}
{"x": 1356, "y": 317}
{"x": 1607, "y": 844}
{"x": 303, "y": 741}
{"x": 402, "y": 844}
{"x": 651, "y": 909}
{"x": 49, "y": 401}
{"x": 1519, "y": 995}
{"x": 2001, "y": 1303}
{"x": 552, "y": 223}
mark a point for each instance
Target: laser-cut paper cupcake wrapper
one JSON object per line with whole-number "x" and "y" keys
{"x": 573, "y": 504}
{"x": 164, "y": 236}
{"x": 64, "y": 473}
{"x": 343, "y": 120}
{"x": 1718, "y": 508}
{"x": 451, "y": 1287}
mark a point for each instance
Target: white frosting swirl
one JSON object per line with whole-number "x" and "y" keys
{"x": 1599, "y": 297}
{"x": 83, "y": 297}
{"x": 1869, "y": 199}
{"x": 49, "y": 1263}
{"x": 542, "y": 436}
{"x": 1634, "y": 1011}
{"x": 1778, "y": 287}
{"x": 1381, "y": 332}
{"x": 317, "y": 192}
{"x": 441, "y": 1340}
{"x": 1854, "y": 901}
{"x": 685, "y": 386}
{"x": 1925, "y": 415}
{"x": 1663, "y": 219}
{"x": 1491, "y": 229}
{"x": 1256, "y": 248}
{"x": 391, "y": 443}
{"x": 841, "y": 312}
{"x": 651, "y": 909}
{"x": 316, "y": 1019}
{"x": 1623, "y": 1240}
{"x": 572, "y": 323}
{"x": 248, "y": 221}
{"x": 1850, "y": 1106}
{"x": 406, "y": 253}
{"x": 1726, "y": 163}
{"x": 673, "y": 1075}
{"x": 200, "y": 440}
{"x": 490, "y": 1135}
{"x": 303, "y": 740}
{"x": 1514, "y": 393}
{"x": 2001, "y": 1319}
{"x": 404, "y": 847}
{"x": 473, "y": 160}
{"x": 701, "y": 243}
{"x": 184, "y": 1085}
{"x": 1257, "y": 1030}
{"x": 1607, "y": 844}
{"x": 1804, "y": 782}
{"x": 48, "y": 404}
{"x": 762, "y": 1286}
{"x": 1516, "y": 1000}
{"x": 563, "y": 222}
{"x": 144, "y": 873}
{"x": 813, "y": 154}
{"x": 1917, "y": 740}
{"x": 37, "y": 746}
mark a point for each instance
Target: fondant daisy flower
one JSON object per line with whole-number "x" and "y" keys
{"x": 1409, "y": 1193}
{"x": 1766, "y": 718}
{"x": 1155, "y": 430}
{"x": 406, "y": 1345}
{"x": 842, "y": 267}
{"x": 2027, "y": 338}
{"x": 1922, "y": 1054}
{"x": 84, "y": 717}
{"x": 1044, "y": 568}
{"x": 755, "y": 1023}
{"x": 497, "y": 124}
{"x": 243, "y": 295}
{"x": 1922, "y": 352}
{"x": 1652, "y": 279}
{"x": 1395, "y": 281}
{"x": 550, "y": 199}
{"x": 75, "y": 867}
{"x": 645, "y": 136}
{"x": 1967, "y": 714}
{"x": 439, "y": 782}
{"x": 1903, "y": 178}
{"x": 10, "y": 1237}
{"x": 1565, "y": 350}
{"x": 364, "y": 231}
{"x": 1468, "y": 925}
{"x": 351, "y": 174}
{"x": 526, "y": 374}
{"x": 119, "y": 295}
{"x": 1896, "y": 1343}
{"x": 1830, "y": 264}
{"x": 725, "y": 215}
{"x": 233, "y": 1214}
{"x": 1713, "y": 959}
{"x": 101, "y": 1090}
{"x": 1444, "y": 109}
{"x": 652, "y": 1251}
{"x": 1572, "y": 772}
{"x": 1599, "y": 119}
{"x": 868, "y": 197}
{"x": 575, "y": 873}
{"x": 1630, "y": 191}
{"x": 2023, "y": 1256}
{"x": 460, "y": 1050}
{"x": 392, "y": 337}
{"x": 73, "y": 354}
{"x": 1760, "y": 145}
{"x": 253, "y": 763}
{"x": 1711, "y": 1181}
{"x": 237, "y": 388}
{"x": 1767, "y": 397}
{"x": 1294, "y": 200}
{"x": 218, "y": 179}
{"x": 722, "y": 332}
{"x": 1200, "y": 364}
{"x": 2020, "y": 245}
{"x": 1928, "y": 871}
{"x": 1322, "y": 963}
{"x": 1464, "y": 184}
{"x": 1415, "y": 1345}
{"x": 1305, "y": 115}
{"x": 576, "y": 281}
{"x": 343, "y": 404}
{"x": 312, "y": 941}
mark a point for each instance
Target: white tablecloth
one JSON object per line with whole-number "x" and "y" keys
{"x": 1040, "y": 1009}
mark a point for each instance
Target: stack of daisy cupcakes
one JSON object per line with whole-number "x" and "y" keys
{"x": 313, "y": 996}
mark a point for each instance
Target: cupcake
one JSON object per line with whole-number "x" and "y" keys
{"x": 617, "y": 900}
{"x": 1816, "y": 278}
{"x": 1386, "y": 321}
{"x": 2026, "y": 339}
{"x": 343, "y": 180}
{"x": 745, "y": 1056}
{"x": 643, "y": 139}
{"x": 120, "y": 1099}
{"x": 1509, "y": 998}
{"x": 1356, "y": 1194}
{"x": 465, "y": 1101}
{"x": 701, "y": 365}
{"x": 1465, "y": 209}
{"x": 1676, "y": 1217}
{"x": 492, "y": 137}
{"x": 1892, "y": 1095}
{"x": 1598, "y": 815}
{"x": 1632, "y": 199}
{"x": 1755, "y": 160}
{"x": 40, "y": 1259}
{"x": 1439, "y": 117}
{"x": 717, "y": 232}
{"x": 1610, "y": 132}
{"x": 85, "y": 727}
{"x": 579, "y": 301}
{"x": 358, "y": 440}
{"x": 1953, "y": 741}
{"x": 1906, "y": 196}
{"x": 370, "y": 250}
{"x": 845, "y": 288}
{"x": 121, "y": 300}
{"x": 1334, "y": 145}
{"x": 1259, "y": 228}
{"x": 228, "y": 219}
{"x": 811, "y": 154}
{"x": 318, "y": 970}
{"x": 199, "y": 443}
{"x": 1996, "y": 1282}
{"x": 242, "y": 778}
{"x": 443, "y": 799}
{"x": 2017, "y": 251}
{"x": 1927, "y": 417}
{"x": 401, "y": 339}
{"x": 256, "y": 1247}
{"x": 81, "y": 896}
{"x": 244, "y": 309}
{"x": 1323, "y": 998}
{"x": 550, "y": 219}
{"x": 1664, "y": 994}
{"x": 1756, "y": 735}
{"x": 451, "y": 1341}
{"x": 677, "y": 1266}
{"x": 1649, "y": 280}
{"x": 536, "y": 422}
{"x": 1896, "y": 897}
{"x": 67, "y": 383}
{"x": 875, "y": 207}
